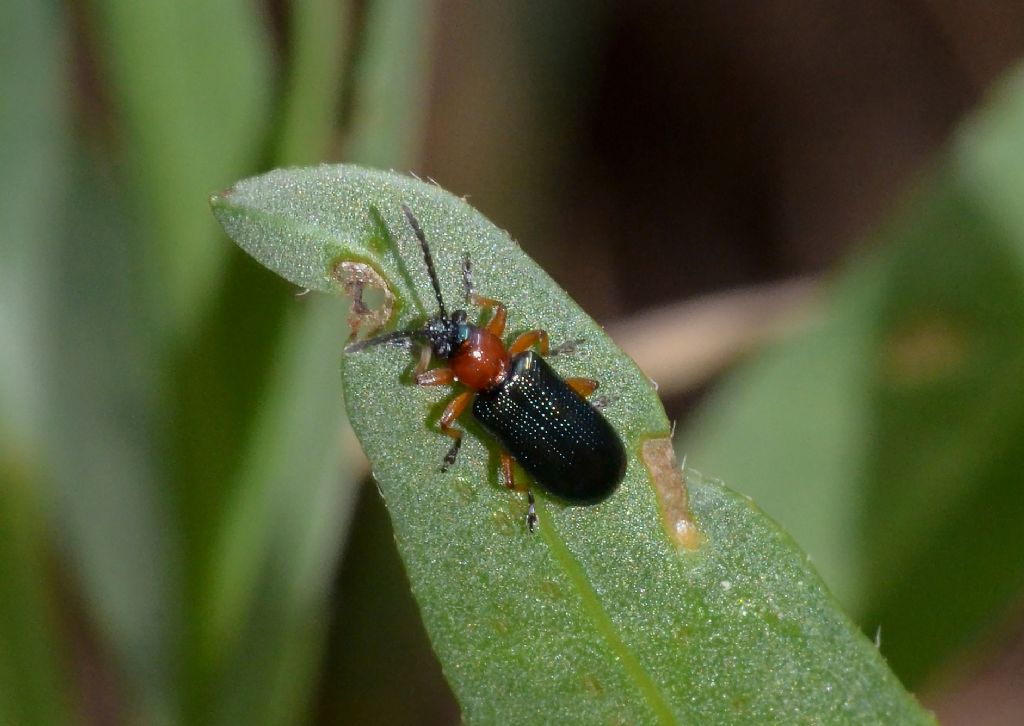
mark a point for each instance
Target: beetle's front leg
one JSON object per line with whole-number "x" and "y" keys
{"x": 423, "y": 363}
{"x": 496, "y": 325}
{"x": 529, "y": 339}
{"x": 436, "y": 377}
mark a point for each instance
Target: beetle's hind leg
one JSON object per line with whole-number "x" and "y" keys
{"x": 582, "y": 386}
{"x": 586, "y": 387}
{"x": 508, "y": 479}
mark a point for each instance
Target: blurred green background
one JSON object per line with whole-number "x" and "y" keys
{"x": 803, "y": 220}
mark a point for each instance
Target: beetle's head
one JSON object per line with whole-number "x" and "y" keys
{"x": 445, "y": 335}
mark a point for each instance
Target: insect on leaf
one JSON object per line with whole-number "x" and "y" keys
{"x": 673, "y": 601}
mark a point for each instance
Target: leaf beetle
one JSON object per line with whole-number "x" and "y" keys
{"x": 542, "y": 421}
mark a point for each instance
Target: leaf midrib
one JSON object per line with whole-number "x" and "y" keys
{"x": 602, "y": 621}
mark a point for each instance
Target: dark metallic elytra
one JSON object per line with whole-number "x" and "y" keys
{"x": 562, "y": 441}
{"x": 543, "y": 421}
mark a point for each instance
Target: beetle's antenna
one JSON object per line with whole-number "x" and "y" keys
{"x": 383, "y": 339}
{"x": 427, "y": 257}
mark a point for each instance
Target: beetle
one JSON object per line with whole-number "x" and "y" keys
{"x": 542, "y": 421}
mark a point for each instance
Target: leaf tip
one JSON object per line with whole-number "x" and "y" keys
{"x": 220, "y": 200}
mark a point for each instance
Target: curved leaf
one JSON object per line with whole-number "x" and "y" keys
{"x": 603, "y": 616}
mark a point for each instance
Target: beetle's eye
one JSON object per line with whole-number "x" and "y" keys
{"x": 461, "y": 332}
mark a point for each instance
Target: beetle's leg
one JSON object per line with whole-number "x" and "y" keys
{"x": 510, "y": 482}
{"x": 582, "y": 386}
{"x": 436, "y": 377}
{"x": 444, "y": 377}
{"x": 566, "y": 347}
{"x": 497, "y": 323}
{"x": 448, "y": 418}
{"x": 507, "y": 477}
{"x": 529, "y": 339}
{"x": 467, "y": 276}
{"x": 423, "y": 363}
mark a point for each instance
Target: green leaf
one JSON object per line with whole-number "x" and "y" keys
{"x": 381, "y": 667}
{"x": 604, "y": 615}
{"x": 32, "y": 184}
{"x": 906, "y": 407}
{"x": 947, "y": 405}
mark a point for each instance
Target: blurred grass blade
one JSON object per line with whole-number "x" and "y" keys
{"x": 116, "y": 519}
{"x": 909, "y": 405}
{"x": 389, "y": 78}
{"x": 272, "y": 565}
{"x": 31, "y": 682}
{"x": 600, "y": 616}
{"x": 195, "y": 112}
{"x": 313, "y": 93}
{"x": 273, "y": 561}
{"x": 32, "y": 184}
{"x": 33, "y": 124}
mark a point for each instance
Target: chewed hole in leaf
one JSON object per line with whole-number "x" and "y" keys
{"x": 373, "y": 303}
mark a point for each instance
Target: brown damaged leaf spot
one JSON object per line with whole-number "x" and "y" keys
{"x": 670, "y": 485}
{"x": 355, "y": 278}
{"x": 925, "y": 351}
